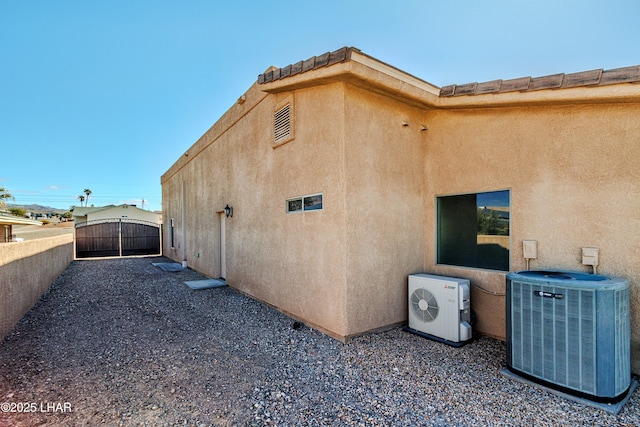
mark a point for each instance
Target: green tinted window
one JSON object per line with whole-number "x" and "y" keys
{"x": 473, "y": 230}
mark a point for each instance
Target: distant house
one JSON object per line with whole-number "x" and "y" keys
{"x": 342, "y": 175}
{"x": 86, "y": 214}
{"x": 7, "y": 221}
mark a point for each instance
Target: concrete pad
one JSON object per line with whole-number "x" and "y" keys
{"x": 205, "y": 284}
{"x": 168, "y": 266}
{"x": 612, "y": 408}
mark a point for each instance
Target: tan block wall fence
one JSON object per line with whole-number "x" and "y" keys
{"x": 27, "y": 269}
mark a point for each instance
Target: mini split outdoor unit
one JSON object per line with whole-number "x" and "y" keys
{"x": 571, "y": 332}
{"x": 439, "y": 308}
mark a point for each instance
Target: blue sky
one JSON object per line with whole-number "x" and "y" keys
{"x": 106, "y": 95}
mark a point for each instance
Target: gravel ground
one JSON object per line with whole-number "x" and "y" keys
{"x": 121, "y": 342}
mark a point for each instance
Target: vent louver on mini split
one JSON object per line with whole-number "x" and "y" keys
{"x": 424, "y": 305}
{"x": 282, "y": 123}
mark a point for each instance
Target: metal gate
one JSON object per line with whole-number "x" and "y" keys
{"x": 117, "y": 237}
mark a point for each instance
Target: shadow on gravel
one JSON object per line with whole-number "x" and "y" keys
{"x": 121, "y": 342}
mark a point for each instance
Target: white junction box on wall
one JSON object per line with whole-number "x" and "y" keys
{"x": 590, "y": 256}
{"x": 530, "y": 249}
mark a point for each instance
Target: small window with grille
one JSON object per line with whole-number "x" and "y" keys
{"x": 283, "y": 123}
{"x": 312, "y": 202}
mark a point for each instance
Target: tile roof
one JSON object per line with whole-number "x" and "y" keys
{"x": 324, "y": 60}
{"x": 597, "y": 77}
{"x": 555, "y": 81}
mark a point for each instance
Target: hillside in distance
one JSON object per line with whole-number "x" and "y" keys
{"x": 36, "y": 208}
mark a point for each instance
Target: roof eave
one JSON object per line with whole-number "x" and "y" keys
{"x": 617, "y": 93}
{"x": 6, "y": 220}
{"x": 369, "y": 73}
{"x": 366, "y": 72}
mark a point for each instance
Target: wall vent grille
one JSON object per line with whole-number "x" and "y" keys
{"x": 282, "y": 123}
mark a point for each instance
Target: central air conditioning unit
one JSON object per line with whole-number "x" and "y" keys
{"x": 439, "y": 308}
{"x": 571, "y": 332}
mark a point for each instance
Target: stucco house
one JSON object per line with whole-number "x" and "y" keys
{"x": 93, "y": 213}
{"x": 7, "y": 221}
{"x": 346, "y": 174}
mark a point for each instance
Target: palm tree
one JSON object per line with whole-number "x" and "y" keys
{"x": 81, "y": 198}
{"x": 87, "y": 192}
{"x": 4, "y": 195}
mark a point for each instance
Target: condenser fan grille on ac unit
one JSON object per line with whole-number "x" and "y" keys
{"x": 424, "y": 305}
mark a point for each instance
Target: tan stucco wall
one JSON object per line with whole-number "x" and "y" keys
{"x": 569, "y": 165}
{"x": 290, "y": 261}
{"x": 27, "y": 269}
{"x": 384, "y": 179}
{"x": 328, "y": 268}
{"x": 573, "y": 175}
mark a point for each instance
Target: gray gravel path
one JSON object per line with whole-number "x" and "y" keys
{"x": 121, "y": 342}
